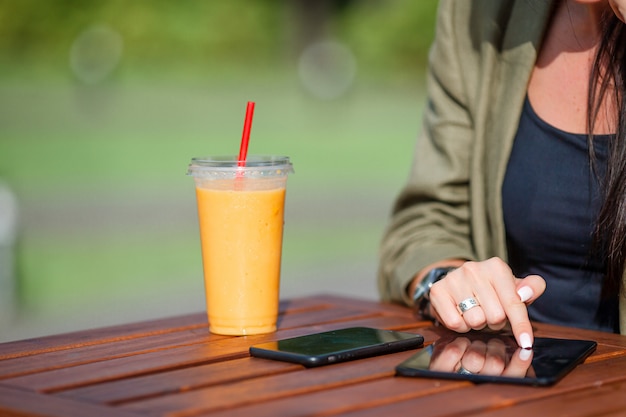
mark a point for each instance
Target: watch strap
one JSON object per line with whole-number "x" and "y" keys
{"x": 421, "y": 294}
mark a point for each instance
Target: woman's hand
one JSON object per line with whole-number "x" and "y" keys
{"x": 486, "y": 294}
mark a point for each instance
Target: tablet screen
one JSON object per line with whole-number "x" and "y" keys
{"x": 489, "y": 357}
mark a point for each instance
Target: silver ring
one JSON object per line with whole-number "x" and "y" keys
{"x": 463, "y": 371}
{"x": 468, "y": 304}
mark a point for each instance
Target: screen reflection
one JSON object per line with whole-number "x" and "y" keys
{"x": 481, "y": 354}
{"x": 496, "y": 357}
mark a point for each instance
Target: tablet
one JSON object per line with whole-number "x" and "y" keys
{"x": 337, "y": 346}
{"x": 489, "y": 357}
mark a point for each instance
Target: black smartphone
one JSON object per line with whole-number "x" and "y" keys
{"x": 489, "y": 357}
{"x": 337, "y": 346}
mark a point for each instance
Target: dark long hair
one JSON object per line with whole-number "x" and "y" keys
{"x": 608, "y": 81}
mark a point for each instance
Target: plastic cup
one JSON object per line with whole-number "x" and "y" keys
{"x": 241, "y": 216}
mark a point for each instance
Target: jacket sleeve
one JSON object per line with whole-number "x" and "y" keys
{"x": 431, "y": 217}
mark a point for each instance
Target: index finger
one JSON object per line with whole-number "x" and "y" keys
{"x": 505, "y": 284}
{"x": 517, "y": 314}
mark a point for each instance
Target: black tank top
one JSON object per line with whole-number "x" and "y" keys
{"x": 550, "y": 201}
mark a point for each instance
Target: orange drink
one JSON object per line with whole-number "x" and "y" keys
{"x": 241, "y": 216}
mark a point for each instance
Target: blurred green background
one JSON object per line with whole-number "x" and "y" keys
{"x": 103, "y": 103}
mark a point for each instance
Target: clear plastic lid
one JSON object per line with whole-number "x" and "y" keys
{"x": 225, "y": 167}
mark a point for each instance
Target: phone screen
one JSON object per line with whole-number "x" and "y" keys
{"x": 489, "y": 357}
{"x": 337, "y": 346}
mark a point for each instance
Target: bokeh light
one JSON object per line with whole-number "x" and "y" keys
{"x": 327, "y": 69}
{"x": 95, "y": 53}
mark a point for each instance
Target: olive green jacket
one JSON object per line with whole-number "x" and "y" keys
{"x": 479, "y": 67}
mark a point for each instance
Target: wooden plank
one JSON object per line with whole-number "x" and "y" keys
{"x": 180, "y": 380}
{"x": 176, "y": 358}
{"x": 336, "y": 314}
{"x": 341, "y": 400}
{"x": 169, "y": 366}
{"x": 121, "y": 348}
{"x": 607, "y": 399}
{"x": 478, "y": 397}
{"x": 616, "y": 413}
{"x": 379, "y": 307}
{"x": 482, "y": 398}
{"x": 20, "y": 403}
{"x": 605, "y": 352}
{"x": 153, "y": 385}
{"x": 375, "y": 393}
{"x": 610, "y": 345}
{"x": 253, "y": 391}
{"x": 112, "y": 334}
{"x": 603, "y": 338}
{"x": 103, "y": 351}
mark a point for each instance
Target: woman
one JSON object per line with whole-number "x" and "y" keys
{"x": 519, "y": 180}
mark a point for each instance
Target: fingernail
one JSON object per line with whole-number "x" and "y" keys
{"x": 524, "y": 354}
{"x": 524, "y": 341}
{"x": 525, "y": 293}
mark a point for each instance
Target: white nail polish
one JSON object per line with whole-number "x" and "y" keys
{"x": 524, "y": 354}
{"x": 524, "y": 341}
{"x": 525, "y": 293}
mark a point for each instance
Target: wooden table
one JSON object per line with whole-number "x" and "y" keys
{"x": 175, "y": 367}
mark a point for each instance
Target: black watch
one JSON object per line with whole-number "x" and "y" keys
{"x": 422, "y": 291}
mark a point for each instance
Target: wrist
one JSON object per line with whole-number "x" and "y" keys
{"x": 421, "y": 293}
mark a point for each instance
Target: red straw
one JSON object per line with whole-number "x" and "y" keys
{"x": 245, "y": 138}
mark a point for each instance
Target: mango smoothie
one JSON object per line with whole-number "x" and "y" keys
{"x": 241, "y": 234}
{"x": 241, "y": 216}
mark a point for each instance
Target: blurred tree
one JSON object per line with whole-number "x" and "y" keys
{"x": 391, "y": 36}
{"x": 196, "y": 36}
{"x": 312, "y": 19}
{"x": 188, "y": 35}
